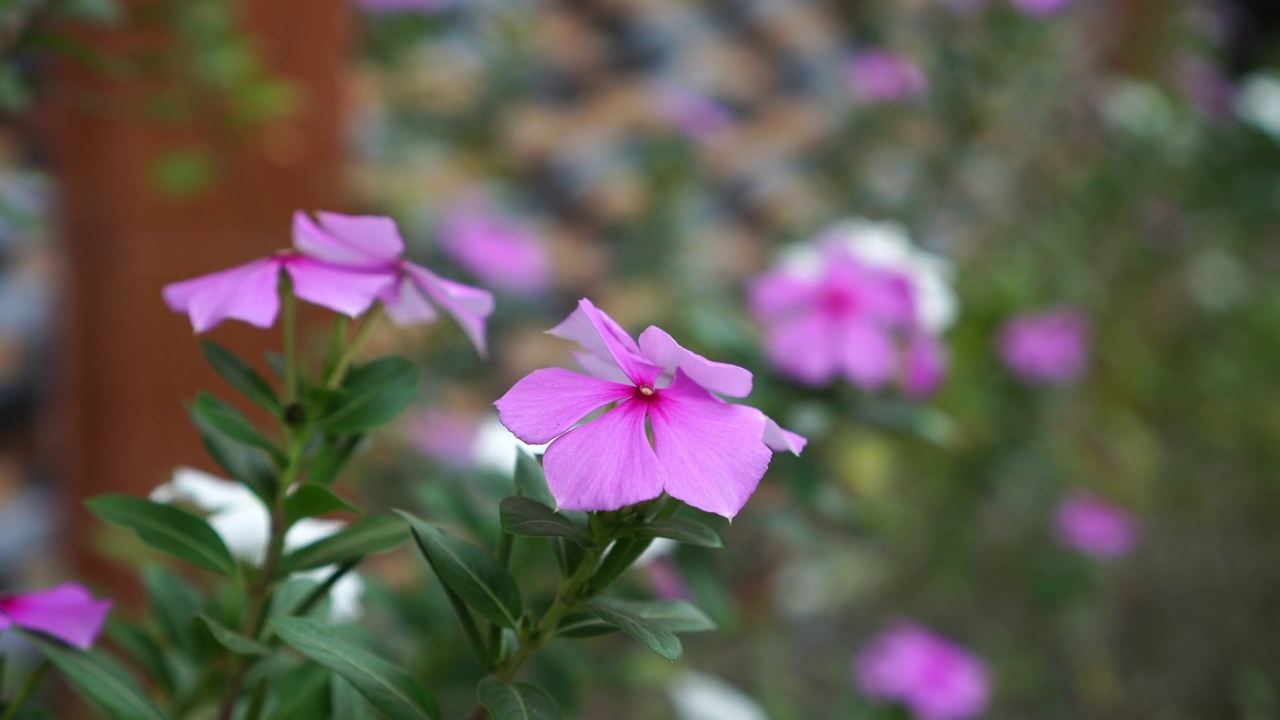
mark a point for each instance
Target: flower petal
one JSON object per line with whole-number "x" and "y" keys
{"x": 663, "y": 350}
{"x": 67, "y": 612}
{"x": 605, "y": 464}
{"x": 778, "y": 293}
{"x": 245, "y": 292}
{"x": 406, "y": 304}
{"x": 347, "y": 239}
{"x": 711, "y": 451}
{"x": 867, "y": 354}
{"x": 601, "y": 336}
{"x": 926, "y": 365}
{"x": 344, "y": 290}
{"x": 601, "y": 368}
{"x": 545, "y": 403}
{"x": 802, "y": 348}
{"x": 203, "y": 490}
{"x": 468, "y": 305}
{"x": 779, "y": 439}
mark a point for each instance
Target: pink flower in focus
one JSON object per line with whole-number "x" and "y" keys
{"x": 1042, "y": 8}
{"x": 858, "y": 302}
{"x": 1046, "y": 347}
{"x": 497, "y": 250}
{"x": 1094, "y": 527}
{"x": 933, "y": 677}
{"x": 695, "y": 115}
{"x": 67, "y": 612}
{"x": 662, "y": 429}
{"x": 879, "y": 76}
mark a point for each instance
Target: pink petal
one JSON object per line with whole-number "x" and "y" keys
{"x": 711, "y": 451}
{"x": 803, "y": 348}
{"x": 468, "y": 305}
{"x": 926, "y": 365}
{"x": 67, "y": 612}
{"x": 341, "y": 289}
{"x": 662, "y": 350}
{"x": 546, "y": 403}
{"x": 406, "y": 304}
{"x": 775, "y": 294}
{"x": 867, "y": 354}
{"x": 779, "y": 439}
{"x": 601, "y": 368}
{"x": 245, "y": 292}
{"x": 348, "y": 239}
{"x": 605, "y": 464}
{"x": 601, "y": 336}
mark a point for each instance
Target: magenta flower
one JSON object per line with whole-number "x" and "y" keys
{"x": 1040, "y": 7}
{"x": 933, "y": 677}
{"x": 1095, "y": 527}
{"x": 663, "y": 428}
{"x": 499, "y": 251}
{"x": 860, "y": 303}
{"x": 879, "y": 76}
{"x": 1047, "y": 347}
{"x": 66, "y": 612}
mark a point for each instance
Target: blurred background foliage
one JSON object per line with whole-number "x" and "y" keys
{"x": 661, "y": 153}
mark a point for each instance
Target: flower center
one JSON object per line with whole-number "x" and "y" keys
{"x": 646, "y": 390}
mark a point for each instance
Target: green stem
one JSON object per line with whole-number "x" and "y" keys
{"x": 33, "y": 681}
{"x": 289, "y": 325}
{"x": 357, "y": 345}
{"x": 506, "y": 541}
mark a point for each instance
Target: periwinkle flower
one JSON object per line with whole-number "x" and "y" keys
{"x": 933, "y": 677}
{"x": 663, "y": 428}
{"x": 1094, "y": 527}
{"x": 879, "y": 76}
{"x": 1046, "y": 347}
{"x": 859, "y": 302}
{"x": 243, "y": 522}
{"x": 67, "y": 612}
{"x": 501, "y": 252}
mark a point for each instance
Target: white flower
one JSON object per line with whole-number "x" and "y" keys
{"x": 243, "y": 522}
{"x": 1259, "y": 103}
{"x": 495, "y": 448}
{"x": 702, "y": 697}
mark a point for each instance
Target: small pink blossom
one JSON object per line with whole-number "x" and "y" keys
{"x": 933, "y": 677}
{"x": 1046, "y": 347}
{"x": 500, "y": 251}
{"x": 1095, "y": 527}
{"x": 1042, "y": 8}
{"x": 879, "y": 76}
{"x": 663, "y": 428}
{"x": 66, "y": 612}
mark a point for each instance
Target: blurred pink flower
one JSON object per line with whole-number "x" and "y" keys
{"x": 498, "y": 250}
{"x": 933, "y": 677}
{"x": 879, "y": 76}
{"x": 667, "y": 580}
{"x": 1040, "y": 7}
{"x": 663, "y": 428}
{"x": 446, "y": 436}
{"x": 858, "y": 302}
{"x": 66, "y": 612}
{"x": 697, "y": 116}
{"x": 1046, "y": 347}
{"x": 1094, "y": 527}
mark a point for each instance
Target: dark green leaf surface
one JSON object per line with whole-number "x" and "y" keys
{"x": 368, "y": 536}
{"x": 480, "y": 580}
{"x": 515, "y": 702}
{"x": 240, "y": 376}
{"x": 247, "y": 464}
{"x": 681, "y": 530}
{"x": 100, "y": 680}
{"x": 232, "y": 640}
{"x": 313, "y": 501}
{"x": 527, "y": 517}
{"x": 230, "y": 422}
{"x": 618, "y": 613}
{"x": 531, "y": 482}
{"x": 371, "y": 395}
{"x": 167, "y": 529}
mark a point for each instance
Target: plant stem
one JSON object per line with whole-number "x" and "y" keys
{"x": 289, "y": 325}
{"x": 357, "y": 344}
{"x": 505, "y": 543}
{"x": 33, "y": 681}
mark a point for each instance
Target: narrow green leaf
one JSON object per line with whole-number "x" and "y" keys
{"x": 348, "y": 704}
{"x": 142, "y": 649}
{"x": 232, "y": 640}
{"x": 173, "y": 602}
{"x": 583, "y": 625}
{"x": 333, "y": 455}
{"x": 390, "y": 690}
{"x": 300, "y": 692}
{"x": 371, "y": 395}
{"x": 368, "y": 536}
{"x": 674, "y": 616}
{"x": 471, "y": 572}
{"x": 240, "y": 376}
{"x": 167, "y": 529}
{"x": 243, "y": 463}
{"x": 681, "y": 530}
{"x": 654, "y": 637}
{"x": 531, "y": 482}
{"x": 515, "y": 702}
{"x": 100, "y": 680}
{"x": 231, "y": 422}
{"x": 313, "y": 501}
{"x": 527, "y": 517}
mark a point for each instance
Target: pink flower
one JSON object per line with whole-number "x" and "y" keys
{"x": 662, "y": 430}
{"x": 933, "y": 677}
{"x": 860, "y": 303}
{"x": 67, "y": 612}
{"x": 499, "y": 251}
{"x": 1047, "y": 347}
{"x": 1040, "y": 7}
{"x": 879, "y": 76}
{"x": 1094, "y": 527}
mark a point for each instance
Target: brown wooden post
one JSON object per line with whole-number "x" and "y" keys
{"x": 128, "y": 363}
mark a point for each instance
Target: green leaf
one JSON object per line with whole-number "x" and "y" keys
{"x": 334, "y": 453}
{"x": 583, "y": 625}
{"x": 531, "y": 482}
{"x": 674, "y": 616}
{"x": 390, "y": 690}
{"x": 142, "y": 649}
{"x": 527, "y": 517}
{"x": 617, "y": 613}
{"x": 230, "y": 422}
{"x": 245, "y": 464}
{"x": 371, "y": 395}
{"x": 232, "y": 640}
{"x": 301, "y": 692}
{"x": 313, "y": 501}
{"x": 347, "y": 704}
{"x": 173, "y": 603}
{"x": 367, "y": 536}
{"x": 240, "y": 376}
{"x": 682, "y": 530}
{"x": 100, "y": 680}
{"x": 515, "y": 702}
{"x": 471, "y": 572}
{"x": 167, "y": 529}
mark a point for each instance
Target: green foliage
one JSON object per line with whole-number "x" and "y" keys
{"x": 314, "y": 501}
{"x": 371, "y": 395}
{"x": 101, "y": 681}
{"x": 232, "y": 423}
{"x": 651, "y": 633}
{"x": 682, "y": 530}
{"x": 167, "y": 529}
{"x": 527, "y": 517}
{"x": 515, "y": 702}
{"x": 368, "y": 536}
{"x": 483, "y": 583}
{"x": 232, "y": 640}
{"x": 240, "y": 376}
